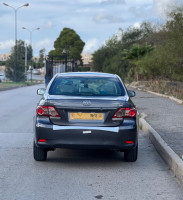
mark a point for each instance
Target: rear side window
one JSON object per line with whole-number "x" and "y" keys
{"x": 87, "y": 86}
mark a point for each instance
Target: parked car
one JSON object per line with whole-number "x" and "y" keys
{"x": 2, "y": 77}
{"x": 36, "y": 72}
{"x": 86, "y": 110}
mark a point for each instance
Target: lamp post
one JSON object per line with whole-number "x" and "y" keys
{"x": 15, "y": 10}
{"x": 66, "y": 53}
{"x": 26, "y": 61}
{"x": 31, "y": 31}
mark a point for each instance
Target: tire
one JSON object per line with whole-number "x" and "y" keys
{"x": 131, "y": 155}
{"x": 40, "y": 154}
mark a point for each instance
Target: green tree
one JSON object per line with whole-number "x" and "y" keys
{"x": 112, "y": 57}
{"x": 99, "y": 58}
{"x": 68, "y": 42}
{"x": 10, "y": 63}
{"x": 2, "y": 63}
{"x": 134, "y": 55}
{"x": 166, "y": 61}
{"x": 41, "y": 58}
{"x": 149, "y": 52}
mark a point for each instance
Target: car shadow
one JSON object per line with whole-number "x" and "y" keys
{"x": 68, "y": 156}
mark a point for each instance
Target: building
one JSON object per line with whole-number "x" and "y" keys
{"x": 35, "y": 59}
{"x": 87, "y": 59}
{"x": 4, "y": 57}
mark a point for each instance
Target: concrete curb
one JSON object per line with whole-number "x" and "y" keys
{"x": 169, "y": 156}
{"x": 158, "y": 94}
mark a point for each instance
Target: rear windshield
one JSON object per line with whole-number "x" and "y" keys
{"x": 86, "y": 86}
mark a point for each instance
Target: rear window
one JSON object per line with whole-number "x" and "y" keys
{"x": 86, "y": 86}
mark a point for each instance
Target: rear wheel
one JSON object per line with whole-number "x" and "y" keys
{"x": 40, "y": 154}
{"x": 131, "y": 155}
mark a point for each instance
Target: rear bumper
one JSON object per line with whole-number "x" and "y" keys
{"x": 79, "y": 137}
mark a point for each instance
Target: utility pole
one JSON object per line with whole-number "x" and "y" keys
{"x": 31, "y": 31}
{"x": 26, "y": 61}
{"x": 16, "y": 54}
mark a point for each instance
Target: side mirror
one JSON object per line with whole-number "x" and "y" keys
{"x": 41, "y": 91}
{"x": 131, "y": 93}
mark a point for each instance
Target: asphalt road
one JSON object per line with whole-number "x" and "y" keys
{"x": 35, "y": 77}
{"x": 70, "y": 174}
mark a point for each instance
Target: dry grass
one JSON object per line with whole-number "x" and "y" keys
{"x": 5, "y": 85}
{"x": 169, "y": 88}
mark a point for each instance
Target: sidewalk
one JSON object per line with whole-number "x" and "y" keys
{"x": 164, "y": 115}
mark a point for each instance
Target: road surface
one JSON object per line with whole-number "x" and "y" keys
{"x": 35, "y": 77}
{"x": 71, "y": 174}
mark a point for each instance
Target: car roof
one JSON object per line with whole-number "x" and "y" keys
{"x": 89, "y": 74}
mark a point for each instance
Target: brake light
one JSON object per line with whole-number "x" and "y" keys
{"x": 42, "y": 140}
{"x": 48, "y": 111}
{"x": 129, "y": 142}
{"x": 42, "y": 110}
{"x": 124, "y": 113}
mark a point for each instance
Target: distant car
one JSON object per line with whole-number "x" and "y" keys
{"x": 36, "y": 72}
{"x": 2, "y": 77}
{"x": 86, "y": 111}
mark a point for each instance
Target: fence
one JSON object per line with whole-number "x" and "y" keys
{"x": 59, "y": 64}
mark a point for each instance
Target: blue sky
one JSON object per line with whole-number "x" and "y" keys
{"x": 94, "y": 20}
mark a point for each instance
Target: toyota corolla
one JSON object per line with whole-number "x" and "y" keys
{"x": 86, "y": 110}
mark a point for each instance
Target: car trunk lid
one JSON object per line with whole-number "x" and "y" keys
{"x": 81, "y": 111}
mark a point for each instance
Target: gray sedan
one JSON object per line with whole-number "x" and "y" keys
{"x": 86, "y": 111}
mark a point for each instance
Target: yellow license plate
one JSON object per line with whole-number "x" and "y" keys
{"x": 86, "y": 116}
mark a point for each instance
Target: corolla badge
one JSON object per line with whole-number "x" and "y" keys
{"x": 86, "y": 103}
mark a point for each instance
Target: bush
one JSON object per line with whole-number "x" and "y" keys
{"x": 83, "y": 69}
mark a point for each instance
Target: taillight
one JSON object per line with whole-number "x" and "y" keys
{"x": 129, "y": 142}
{"x": 42, "y": 110}
{"x": 48, "y": 111}
{"x": 52, "y": 112}
{"x": 42, "y": 140}
{"x": 124, "y": 113}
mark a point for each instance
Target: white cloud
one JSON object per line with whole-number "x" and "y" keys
{"x": 139, "y": 2}
{"x": 83, "y": 10}
{"x": 88, "y": 1}
{"x": 7, "y": 45}
{"x": 162, "y": 6}
{"x": 100, "y": 1}
{"x": 45, "y": 43}
{"x": 106, "y": 18}
{"x": 137, "y": 24}
{"x": 49, "y": 24}
{"x": 113, "y": 2}
{"x": 94, "y": 20}
{"x": 91, "y": 45}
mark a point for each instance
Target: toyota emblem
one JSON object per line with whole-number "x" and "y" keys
{"x": 86, "y": 103}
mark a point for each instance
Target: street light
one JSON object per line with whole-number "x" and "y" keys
{"x": 66, "y": 53}
{"x": 31, "y": 31}
{"x": 15, "y": 9}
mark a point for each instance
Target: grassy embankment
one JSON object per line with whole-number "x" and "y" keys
{"x": 170, "y": 88}
{"x": 9, "y": 85}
